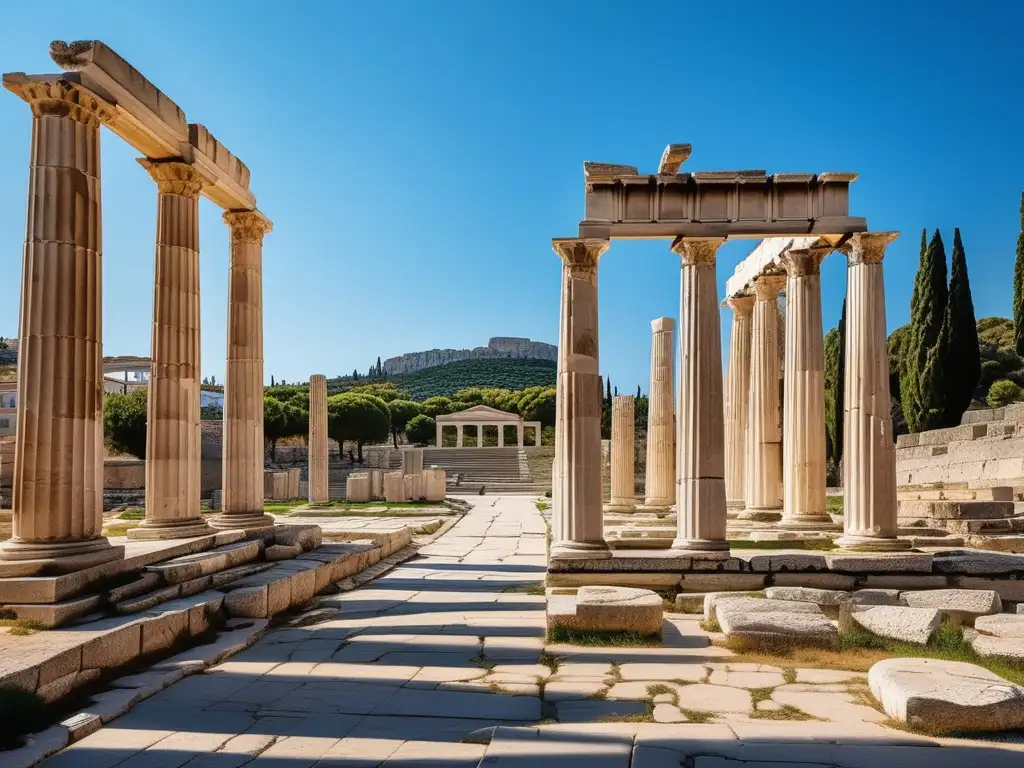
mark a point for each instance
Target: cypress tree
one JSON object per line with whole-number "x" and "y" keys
{"x": 920, "y": 383}
{"x": 961, "y": 355}
{"x": 1018, "y": 287}
{"x": 637, "y": 391}
{"x": 835, "y": 368}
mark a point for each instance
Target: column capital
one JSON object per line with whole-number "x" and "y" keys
{"x": 868, "y": 247}
{"x": 174, "y": 177}
{"x": 768, "y": 286}
{"x": 740, "y": 305}
{"x": 805, "y": 261}
{"x": 247, "y": 226}
{"x": 61, "y": 98}
{"x": 697, "y": 250}
{"x": 662, "y": 324}
{"x": 577, "y": 253}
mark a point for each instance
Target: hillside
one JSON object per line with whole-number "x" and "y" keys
{"x": 450, "y": 378}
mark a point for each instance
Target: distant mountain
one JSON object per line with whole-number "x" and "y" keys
{"x": 498, "y": 347}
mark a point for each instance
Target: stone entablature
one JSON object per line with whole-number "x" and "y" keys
{"x": 480, "y": 416}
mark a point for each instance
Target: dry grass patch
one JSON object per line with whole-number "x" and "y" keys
{"x": 697, "y": 715}
{"x": 786, "y": 713}
{"x": 21, "y": 627}
{"x": 563, "y": 636}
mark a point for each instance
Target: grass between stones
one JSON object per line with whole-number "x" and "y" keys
{"x": 118, "y": 529}
{"x": 858, "y": 650}
{"x": 527, "y": 589}
{"x": 542, "y": 505}
{"x": 561, "y": 635}
{"x": 21, "y": 626}
{"x": 834, "y": 505}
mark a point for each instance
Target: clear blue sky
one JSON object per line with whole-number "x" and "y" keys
{"x": 417, "y": 157}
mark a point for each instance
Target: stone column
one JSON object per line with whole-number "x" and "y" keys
{"x": 501, "y": 435}
{"x": 700, "y": 435}
{"x": 623, "y": 473}
{"x": 737, "y": 401}
{"x": 660, "y": 480}
{"x": 803, "y": 411}
{"x": 764, "y": 436}
{"x": 580, "y": 529}
{"x": 173, "y": 455}
{"x": 869, "y": 453}
{"x": 243, "y": 387}
{"x": 439, "y": 428}
{"x": 58, "y": 459}
{"x": 318, "y": 491}
{"x": 519, "y": 435}
{"x": 458, "y": 435}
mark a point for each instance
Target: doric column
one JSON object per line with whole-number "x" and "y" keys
{"x": 659, "y": 477}
{"x": 700, "y": 429}
{"x": 58, "y": 458}
{"x": 172, "y": 439}
{"x": 580, "y": 529}
{"x": 243, "y": 386}
{"x": 458, "y": 435}
{"x": 501, "y": 435}
{"x": 803, "y": 465}
{"x": 869, "y": 454}
{"x": 737, "y": 401}
{"x": 318, "y": 491}
{"x": 764, "y": 436}
{"x": 438, "y": 429}
{"x": 623, "y": 473}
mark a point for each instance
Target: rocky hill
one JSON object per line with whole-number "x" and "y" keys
{"x": 508, "y": 347}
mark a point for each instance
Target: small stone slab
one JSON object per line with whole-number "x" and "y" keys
{"x": 718, "y": 699}
{"x": 807, "y": 595}
{"x": 973, "y": 563}
{"x": 607, "y": 609}
{"x": 946, "y": 696}
{"x": 1001, "y": 625}
{"x": 910, "y": 625}
{"x": 958, "y": 604}
{"x": 588, "y": 710}
{"x": 755, "y": 605}
{"x": 880, "y": 563}
{"x": 776, "y": 627}
{"x": 876, "y": 597}
{"x": 1002, "y": 647}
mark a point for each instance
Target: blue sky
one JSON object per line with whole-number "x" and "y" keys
{"x": 417, "y": 157}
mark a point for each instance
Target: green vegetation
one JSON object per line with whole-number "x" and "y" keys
{"x": 21, "y": 713}
{"x": 402, "y": 411}
{"x": 421, "y": 429}
{"x": 834, "y": 505}
{"x": 124, "y": 422}
{"x": 835, "y": 366}
{"x": 285, "y": 417}
{"x": 134, "y": 513}
{"x": 542, "y": 505}
{"x": 602, "y": 639}
{"x": 361, "y": 418}
{"x": 1003, "y": 392}
{"x": 1018, "y": 287}
{"x": 448, "y": 379}
{"x": 959, "y": 339}
{"x": 21, "y": 627}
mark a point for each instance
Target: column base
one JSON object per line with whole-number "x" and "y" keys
{"x": 707, "y": 548}
{"x": 159, "y": 530}
{"x": 581, "y": 550}
{"x": 761, "y": 514}
{"x": 858, "y": 543}
{"x": 249, "y": 521}
{"x": 654, "y": 508}
{"x": 618, "y": 505}
{"x": 807, "y": 522}
{"x": 29, "y": 558}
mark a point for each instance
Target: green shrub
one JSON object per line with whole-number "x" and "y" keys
{"x": 1003, "y": 392}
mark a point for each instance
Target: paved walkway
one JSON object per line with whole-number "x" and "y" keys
{"x": 452, "y": 642}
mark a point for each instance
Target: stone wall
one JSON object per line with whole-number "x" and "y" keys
{"x": 497, "y": 347}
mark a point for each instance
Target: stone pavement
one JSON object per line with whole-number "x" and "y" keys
{"x": 451, "y": 643}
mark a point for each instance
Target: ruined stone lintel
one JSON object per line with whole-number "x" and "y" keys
{"x": 673, "y": 157}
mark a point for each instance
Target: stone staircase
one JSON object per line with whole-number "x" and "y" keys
{"x": 983, "y": 518}
{"x": 499, "y": 470}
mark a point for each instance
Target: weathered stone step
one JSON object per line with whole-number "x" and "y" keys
{"x": 187, "y": 588}
{"x": 953, "y": 510}
{"x": 190, "y": 567}
{"x": 997, "y": 493}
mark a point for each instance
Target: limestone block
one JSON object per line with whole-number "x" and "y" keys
{"x": 807, "y": 595}
{"x": 435, "y": 481}
{"x": 412, "y": 461}
{"x": 279, "y": 486}
{"x": 607, "y": 609}
{"x": 776, "y": 628}
{"x": 955, "y": 510}
{"x": 978, "y": 563}
{"x": 946, "y": 696}
{"x": 376, "y": 484}
{"x": 306, "y": 536}
{"x": 876, "y": 597}
{"x": 1001, "y": 625}
{"x": 277, "y": 552}
{"x": 163, "y": 631}
{"x": 358, "y": 487}
{"x": 815, "y": 580}
{"x": 910, "y": 625}
{"x": 958, "y": 605}
{"x": 1010, "y": 648}
{"x": 724, "y": 602}
{"x": 413, "y": 487}
{"x": 113, "y": 648}
{"x": 394, "y": 487}
{"x": 248, "y": 602}
{"x": 722, "y": 582}
{"x": 303, "y": 585}
{"x": 879, "y": 563}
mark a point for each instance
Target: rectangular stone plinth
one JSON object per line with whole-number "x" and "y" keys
{"x": 357, "y": 487}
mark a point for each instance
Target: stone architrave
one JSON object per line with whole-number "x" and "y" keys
{"x": 173, "y": 453}
{"x": 623, "y": 474}
{"x": 869, "y": 453}
{"x": 243, "y": 390}
{"x": 764, "y": 436}
{"x": 737, "y": 401}
{"x": 580, "y": 527}
{"x": 58, "y": 462}
{"x": 700, "y": 432}
{"x": 803, "y": 465}
{"x": 660, "y": 476}
{"x": 318, "y": 490}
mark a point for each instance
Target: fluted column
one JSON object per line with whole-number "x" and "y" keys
{"x": 172, "y": 438}
{"x": 764, "y": 436}
{"x": 318, "y": 491}
{"x": 869, "y": 454}
{"x": 58, "y": 462}
{"x": 659, "y": 475}
{"x": 700, "y": 428}
{"x": 623, "y": 498}
{"x": 243, "y": 387}
{"x": 578, "y": 433}
{"x": 737, "y": 401}
{"x": 458, "y": 435}
{"x": 439, "y": 427}
{"x": 803, "y": 411}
